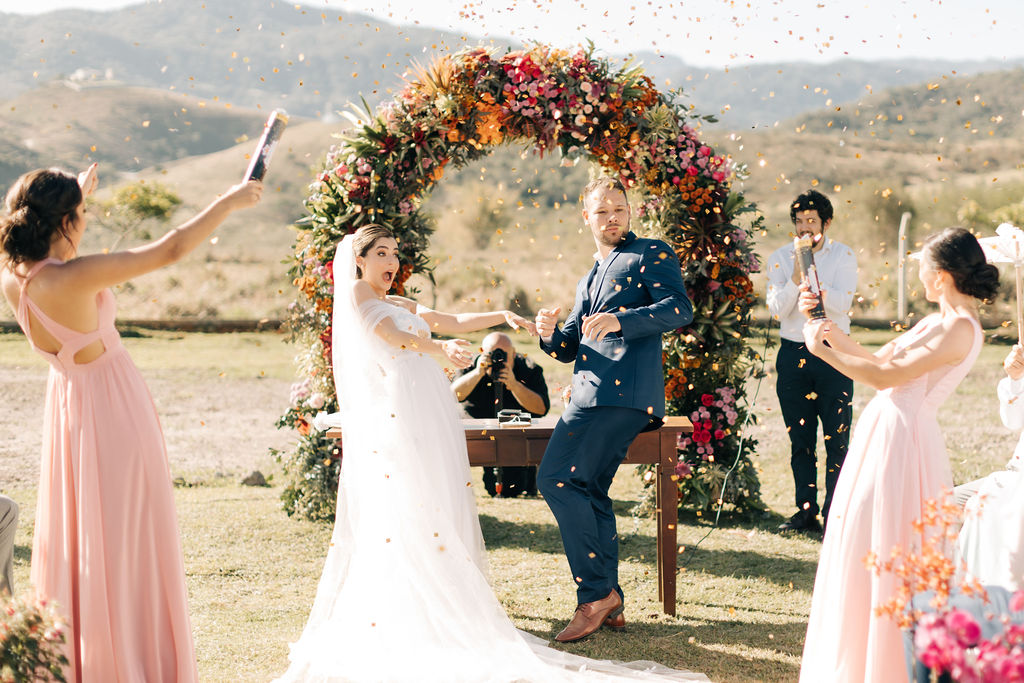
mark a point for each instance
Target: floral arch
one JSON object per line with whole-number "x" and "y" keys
{"x": 584, "y": 109}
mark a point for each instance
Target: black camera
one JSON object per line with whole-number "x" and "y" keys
{"x": 498, "y": 358}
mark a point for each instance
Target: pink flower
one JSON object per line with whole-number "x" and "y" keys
{"x": 692, "y": 170}
{"x": 990, "y": 660}
{"x": 718, "y": 176}
{"x": 1011, "y": 669}
{"x": 936, "y": 648}
{"x": 683, "y": 469}
{"x": 963, "y": 627}
{"x": 1017, "y": 601}
{"x": 1014, "y": 634}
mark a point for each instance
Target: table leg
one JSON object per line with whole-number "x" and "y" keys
{"x": 668, "y": 516}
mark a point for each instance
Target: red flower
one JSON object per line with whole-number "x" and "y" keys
{"x": 707, "y": 400}
{"x": 702, "y": 436}
{"x": 719, "y": 434}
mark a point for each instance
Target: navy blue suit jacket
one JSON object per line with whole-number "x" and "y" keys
{"x": 641, "y": 283}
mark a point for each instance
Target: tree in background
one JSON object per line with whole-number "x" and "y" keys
{"x": 134, "y": 208}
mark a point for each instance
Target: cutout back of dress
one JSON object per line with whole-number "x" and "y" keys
{"x": 76, "y": 350}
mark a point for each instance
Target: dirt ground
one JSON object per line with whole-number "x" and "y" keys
{"x": 213, "y": 428}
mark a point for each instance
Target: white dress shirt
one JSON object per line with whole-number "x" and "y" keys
{"x": 837, "y": 274}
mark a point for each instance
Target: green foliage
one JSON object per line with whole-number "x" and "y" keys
{"x": 136, "y": 205}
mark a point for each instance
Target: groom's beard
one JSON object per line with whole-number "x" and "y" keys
{"x": 609, "y": 241}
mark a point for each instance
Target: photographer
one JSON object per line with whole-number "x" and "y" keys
{"x": 500, "y": 379}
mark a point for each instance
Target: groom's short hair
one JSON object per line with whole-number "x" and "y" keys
{"x": 605, "y": 182}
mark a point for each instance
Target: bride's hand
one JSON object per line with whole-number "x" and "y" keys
{"x": 518, "y": 322}
{"x": 458, "y": 352}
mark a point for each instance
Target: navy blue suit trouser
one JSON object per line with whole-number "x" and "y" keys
{"x": 585, "y": 449}
{"x": 810, "y": 390}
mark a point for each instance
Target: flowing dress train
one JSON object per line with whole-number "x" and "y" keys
{"x": 404, "y": 595}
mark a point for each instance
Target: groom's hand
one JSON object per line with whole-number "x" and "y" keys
{"x": 597, "y": 326}
{"x": 547, "y": 319}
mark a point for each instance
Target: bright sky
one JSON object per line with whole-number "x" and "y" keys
{"x": 704, "y": 32}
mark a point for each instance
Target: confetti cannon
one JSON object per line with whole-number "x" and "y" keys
{"x": 272, "y": 132}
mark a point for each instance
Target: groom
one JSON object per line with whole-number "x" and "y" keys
{"x": 631, "y": 296}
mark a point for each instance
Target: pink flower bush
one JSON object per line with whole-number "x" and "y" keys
{"x": 950, "y": 642}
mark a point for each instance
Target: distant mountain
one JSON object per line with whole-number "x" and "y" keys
{"x": 313, "y": 61}
{"x": 126, "y": 129}
{"x": 959, "y": 109}
{"x": 763, "y": 95}
{"x": 250, "y": 53}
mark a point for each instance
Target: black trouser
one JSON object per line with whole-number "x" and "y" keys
{"x": 509, "y": 482}
{"x": 810, "y": 390}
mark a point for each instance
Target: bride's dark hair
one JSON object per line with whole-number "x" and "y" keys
{"x": 37, "y": 205}
{"x": 365, "y": 237}
{"x": 956, "y": 251}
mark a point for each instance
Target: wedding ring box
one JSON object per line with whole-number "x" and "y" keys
{"x": 513, "y": 418}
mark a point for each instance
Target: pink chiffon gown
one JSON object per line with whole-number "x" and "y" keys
{"x": 897, "y": 460}
{"x": 106, "y": 545}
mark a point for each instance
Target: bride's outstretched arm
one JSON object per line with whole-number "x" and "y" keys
{"x": 457, "y": 351}
{"x": 461, "y": 323}
{"x": 946, "y": 346}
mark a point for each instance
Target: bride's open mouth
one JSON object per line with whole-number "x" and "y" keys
{"x": 388, "y": 276}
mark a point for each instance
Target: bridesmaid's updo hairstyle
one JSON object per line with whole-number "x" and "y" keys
{"x": 37, "y": 205}
{"x": 365, "y": 237}
{"x": 957, "y": 252}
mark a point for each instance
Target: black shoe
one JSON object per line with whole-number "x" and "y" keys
{"x": 805, "y": 520}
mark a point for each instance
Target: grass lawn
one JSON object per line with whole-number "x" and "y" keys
{"x": 743, "y": 593}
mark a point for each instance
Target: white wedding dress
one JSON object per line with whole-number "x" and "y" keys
{"x": 404, "y": 594}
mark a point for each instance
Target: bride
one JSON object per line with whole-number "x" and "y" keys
{"x": 404, "y": 594}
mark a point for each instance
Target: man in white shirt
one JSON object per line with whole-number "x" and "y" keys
{"x": 809, "y": 389}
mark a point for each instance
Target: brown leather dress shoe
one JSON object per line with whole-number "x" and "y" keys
{"x": 616, "y": 621}
{"x": 588, "y": 618}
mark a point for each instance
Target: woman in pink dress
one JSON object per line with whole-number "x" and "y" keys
{"x": 106, "y": 546}
{"x": 897, "y": 461}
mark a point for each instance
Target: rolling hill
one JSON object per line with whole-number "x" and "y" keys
{"x": 313, "y": 61}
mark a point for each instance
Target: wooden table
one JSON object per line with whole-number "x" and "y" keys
{"x": 491, "y": 446}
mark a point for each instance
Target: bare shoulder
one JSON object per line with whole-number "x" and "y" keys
{"x": 362, "y": 292}
{"x": 960, "y": 329}
{"x": 956, "y": 336}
